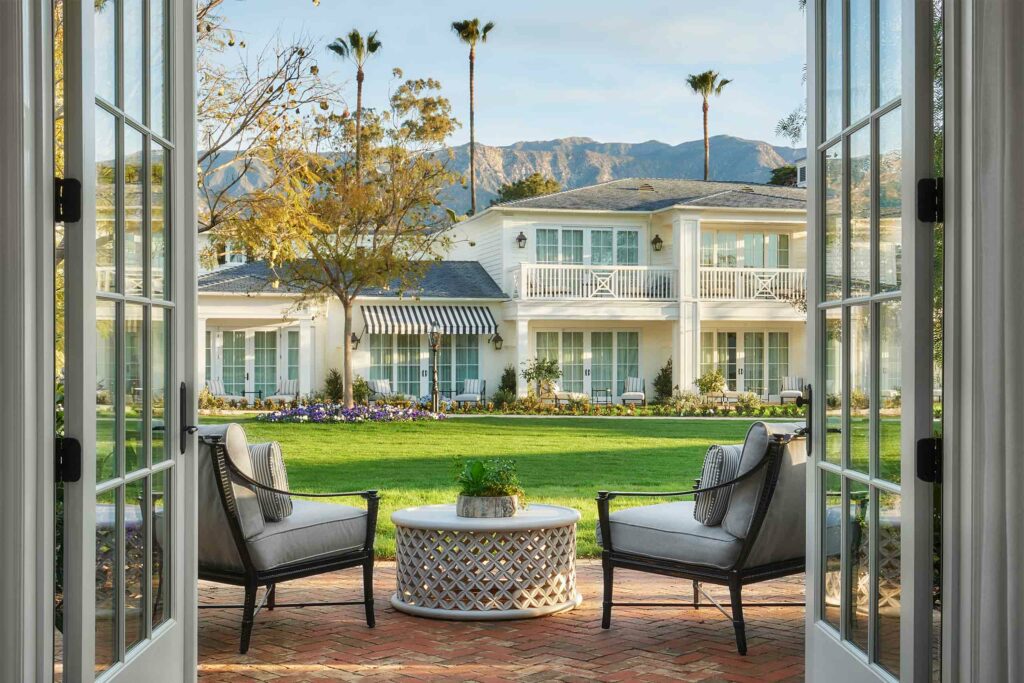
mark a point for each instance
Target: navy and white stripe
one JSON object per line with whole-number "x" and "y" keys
{"x": 721, "y": 464}
{"x": 421, "y": 319}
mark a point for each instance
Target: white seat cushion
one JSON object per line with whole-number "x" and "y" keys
{"x": 569, "y": 396}
{"x": 467, "y": 398}
{"x": 633, "y": 396}
{"x": 669, "y": 531}
{"x": 313, "y": 530}
{"x": 790, "y": 393}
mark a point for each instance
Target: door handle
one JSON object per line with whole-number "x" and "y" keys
{"x": 800, "y": 403}
{"x": 186, "y": 428}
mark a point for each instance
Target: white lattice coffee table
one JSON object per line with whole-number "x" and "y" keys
{"x": 452, "y": 567}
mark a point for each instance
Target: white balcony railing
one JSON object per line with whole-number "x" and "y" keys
{"x": 753, "y": 284}
{"x": 563, "y": 281}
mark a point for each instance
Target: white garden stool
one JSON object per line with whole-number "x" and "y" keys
{"x": 471, "y": 569}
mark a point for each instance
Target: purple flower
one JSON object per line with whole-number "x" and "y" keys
{"x": 328, "y": 412}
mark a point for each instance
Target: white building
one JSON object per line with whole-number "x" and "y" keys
{"x": 613, "y": 280}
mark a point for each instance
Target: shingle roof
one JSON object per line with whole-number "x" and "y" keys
{"x": 652, "y": 194}
{"x": 443, "y": 279}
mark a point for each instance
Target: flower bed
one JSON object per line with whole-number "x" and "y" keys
{"x": 329, "y": 412}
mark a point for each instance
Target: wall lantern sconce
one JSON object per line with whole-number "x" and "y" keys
{"x": 497, "y": 341}
{"x": 355, "y": 341}
{"x": 521, "y": 240}
{"x": 657, "y": 243}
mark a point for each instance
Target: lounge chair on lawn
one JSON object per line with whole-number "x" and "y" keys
{"x": 252, "y": 534}
{"x": 634, "y": 391}
{"x": 739, "y": 530}
{"x": 473, "y": 391}
{"x": 287, "y": 390}
{"x": 216, "y": 387}
{"x": 562, "y": 396}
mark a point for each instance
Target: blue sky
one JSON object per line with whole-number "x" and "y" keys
{"x": 612, "y": 71}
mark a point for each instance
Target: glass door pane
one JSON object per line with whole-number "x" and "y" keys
{"x": 547, "y": 245}
{"x": 627, "y": 351}
{"x": 601, "y": 249}
{"x": 753, "y": 250}
{"x": 627, "y": 248}
{"x": 778, "y": 361}
{"x": 727, "y": 358}
{"x": 602, "y": 361}
{"x": 726, "y": 251}
{"x": 572, "y": 361}
{"x": 407, "y": 360}
{"x": 382, "y": 357}
{"x": 572, "y": 246}
{"x": 265, "y": 362}
{"x": 445, "y": 382}
{"x": 233, "y": 362}
{"x": 293, "y": 354}
{"x": 753, "y": 362}
{"x": 467, "y": 359}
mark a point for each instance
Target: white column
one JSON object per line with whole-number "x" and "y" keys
{"x": 305, "y": 357}
{"x": 686, "y": 339}
{"x": 522, "y": 353}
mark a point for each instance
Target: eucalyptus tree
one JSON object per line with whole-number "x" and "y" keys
{"x": 707, "y": 84}
{"x": 471, "y": 32}
{"x": 358, "y": 50}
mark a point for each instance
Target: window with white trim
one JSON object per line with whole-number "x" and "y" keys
{"x": 293, "y": 354}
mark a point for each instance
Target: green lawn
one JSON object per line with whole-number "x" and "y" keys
{"x": 561, "y": 461}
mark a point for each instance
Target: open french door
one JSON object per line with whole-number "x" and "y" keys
{"x": 869, "y": 558}
{"x": 129, "y": 524}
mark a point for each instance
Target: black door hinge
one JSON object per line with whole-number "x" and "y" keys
{"x": 67, "y": 200}
{"x": 929, "y": 460}
{"x": 930, "y": 200}
{"x": 67, "y": 453}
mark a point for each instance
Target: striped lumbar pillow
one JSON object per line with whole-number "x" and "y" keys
{"x": 268, "y": 469}
{"x": 721, "y": 463}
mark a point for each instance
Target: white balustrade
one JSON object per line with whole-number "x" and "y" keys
{"x": 753, "y": 284}
{"x": 558, "y": 281}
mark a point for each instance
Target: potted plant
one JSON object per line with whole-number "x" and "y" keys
{"x": 488, "y": 488}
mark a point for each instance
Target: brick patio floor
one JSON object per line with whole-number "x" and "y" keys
{"x": 663, "y": 644}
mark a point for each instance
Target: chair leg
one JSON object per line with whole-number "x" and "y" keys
{"x": 609, "y": 581}
{"x": 736, "y": 597}
{"x": 371, "y": 621}
{"x": 247, "y": 617}
{"x": 271, "y": 596}
{"x": 696, "y": 595}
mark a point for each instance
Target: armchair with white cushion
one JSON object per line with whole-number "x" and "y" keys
{"x": 216, "y": 387}
{"x": 287, "y": 390}
{"x": 634, "y": 390}
{"x": 792, "y": 388}
{"x": 563, "y": 396}
{"x": 473, "y": 391}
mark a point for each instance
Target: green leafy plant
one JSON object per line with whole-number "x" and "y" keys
{"x": 859, "y": 400}
{"x": 748, "y": 403}
{"x": 543, "y": 371}
{"x": 481, "y": 478}
{"x": 508, "y": 380}
{"x": 360, "y": 389}
{"x": 711, "y": 382}
{"x": 334, "y": 386}
{"x": 663, "y": 383}
{"x": 503, "y": 398}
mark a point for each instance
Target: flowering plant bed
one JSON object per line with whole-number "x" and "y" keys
{"x": 330, "y": 412}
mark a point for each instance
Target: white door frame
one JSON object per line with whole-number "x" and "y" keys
{"x": 26, "y": 338}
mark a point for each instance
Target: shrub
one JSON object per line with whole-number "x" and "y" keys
{"x": 489, "y": 478}
{"x": 334, "y": 386}
{"x": 508, "y": 380}
{"x": 663, "y": 383}
{"x": 328, "y": 412}
{"x": 748, "y": 403}
{"x": 576, "y": 403}
{"x": 859, "y": 400}
{"x": 683, "y": 402}
{"x": 711, "y": 382}
{"x": 833, "y": 401}
{"x": 360, "y": 389}
{"x": 543, "y": 371}
{"x": 502, "y": 398}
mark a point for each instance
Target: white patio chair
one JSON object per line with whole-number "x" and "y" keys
{"x": 792, "y": 388}
{"x": 562, "y": 396}
{"x": 634, "y": 391}
{"x": 287, "y": 390}
{"x": 216, "y": 387}
{"x": 473, "y": 391}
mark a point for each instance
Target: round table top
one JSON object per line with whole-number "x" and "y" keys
{"x": 443, "y": 517}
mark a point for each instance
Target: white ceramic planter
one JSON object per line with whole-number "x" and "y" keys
{"x": 487, "y": 506}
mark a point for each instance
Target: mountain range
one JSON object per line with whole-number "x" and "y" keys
{"x": 577, "y": 162}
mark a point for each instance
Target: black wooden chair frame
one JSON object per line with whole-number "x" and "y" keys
{"x": 252, "y": 578}
{"x": 735, "y": 577}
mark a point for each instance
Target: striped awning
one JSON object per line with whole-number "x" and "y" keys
{"x": 421, "y": 319}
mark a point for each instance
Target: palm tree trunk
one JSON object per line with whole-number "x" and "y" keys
{"x": 347, "y": 360}
{"x": 359, "y": 121}
{"x": 707, "y": 147}
{"x": 472, "y": 131}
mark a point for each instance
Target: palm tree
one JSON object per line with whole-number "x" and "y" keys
{"x": 358, "y": 50}
{"x": 470, "y": 32}
{"x": 706, "y": 84}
